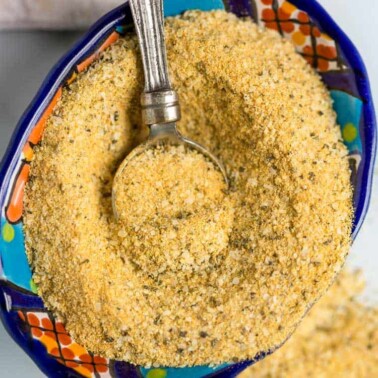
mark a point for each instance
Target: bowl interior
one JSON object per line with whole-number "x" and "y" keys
{"x": 315, "y": 36}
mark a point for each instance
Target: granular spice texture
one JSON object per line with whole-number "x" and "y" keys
{"x": 248, "y": 97}
{"x": 185, "y": 219}
{"x": 339, "y": 338}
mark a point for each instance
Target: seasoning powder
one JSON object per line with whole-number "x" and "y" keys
{"x": 186, "y": 218}
{"x": 339, "y": 338}
{"x": 246, "y": 265}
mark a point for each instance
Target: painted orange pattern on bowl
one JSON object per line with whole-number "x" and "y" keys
{"x": 15, "y": 206}
{"x": 61, "y": 347}
{"x": 292, "y": 23}
{"x": 88, "y": 61}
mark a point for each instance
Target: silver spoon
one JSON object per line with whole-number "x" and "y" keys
{"x": 160, "y": 103}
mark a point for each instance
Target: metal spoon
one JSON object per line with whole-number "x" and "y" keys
{"x": 160, "y": 103}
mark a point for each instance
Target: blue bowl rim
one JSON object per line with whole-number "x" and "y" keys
{"x": 84, "y": 45}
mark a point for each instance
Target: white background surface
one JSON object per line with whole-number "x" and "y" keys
{"x": 26, "y": 57}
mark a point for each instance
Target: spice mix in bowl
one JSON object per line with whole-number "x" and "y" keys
{"x": 206, "y": 275}
{"x": 192, "y": 273}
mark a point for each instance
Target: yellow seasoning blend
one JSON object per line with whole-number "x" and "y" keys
{"x": 175, "y": 215}
{"x": 192, "y": 272}
{"x": 339, "y": 338}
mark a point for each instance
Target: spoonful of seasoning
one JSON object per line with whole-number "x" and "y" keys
{"x": 160, "y": 102}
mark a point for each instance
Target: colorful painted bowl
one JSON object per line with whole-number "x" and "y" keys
{"x": 317, "y": 38}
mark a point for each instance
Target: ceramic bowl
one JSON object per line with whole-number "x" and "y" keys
{"x": 315, "y": 35}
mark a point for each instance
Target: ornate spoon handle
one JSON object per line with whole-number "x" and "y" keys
{"x": 159, "y": 101}
{"x": 149, "y": 24}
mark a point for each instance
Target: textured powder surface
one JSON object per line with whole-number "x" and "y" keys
{"x": 173, "y": 211}
{"x": 339, "y": 338}
{"x": 248, "y": 97}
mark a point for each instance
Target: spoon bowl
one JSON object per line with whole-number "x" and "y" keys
{"x": 162, "y": 135}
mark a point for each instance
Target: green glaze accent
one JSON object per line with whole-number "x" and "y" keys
{"x": 33, "y": 287}
{"x": 7, "y": 232}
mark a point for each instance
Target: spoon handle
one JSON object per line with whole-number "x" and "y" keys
{"x": 159, "y": 100}
{"x": 149, "y": 25}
